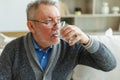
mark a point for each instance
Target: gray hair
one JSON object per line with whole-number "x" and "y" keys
{"x": 31, "y": 7}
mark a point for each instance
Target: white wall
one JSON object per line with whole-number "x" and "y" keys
{"x": 13, "y": 15}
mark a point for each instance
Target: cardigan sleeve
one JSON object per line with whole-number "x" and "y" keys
{"x": 97, "y": 55}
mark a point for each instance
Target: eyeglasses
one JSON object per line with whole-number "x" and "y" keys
{"x": 49, "y": 22}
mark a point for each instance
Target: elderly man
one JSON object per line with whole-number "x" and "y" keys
{"x": 43, "y": 55}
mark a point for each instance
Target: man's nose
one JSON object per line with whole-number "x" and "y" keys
{"x": 56, "y": 25}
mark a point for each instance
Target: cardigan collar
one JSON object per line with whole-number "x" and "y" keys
{"x": 35, "y": 63}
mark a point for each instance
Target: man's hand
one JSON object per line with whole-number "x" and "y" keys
{"x": 73, "y": 34}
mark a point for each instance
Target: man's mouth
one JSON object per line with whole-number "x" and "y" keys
{"x": 55, "y": 33}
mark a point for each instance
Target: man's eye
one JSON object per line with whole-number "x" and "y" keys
{"x": 48, "y": 21}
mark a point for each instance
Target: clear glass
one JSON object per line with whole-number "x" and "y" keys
{"x": 63, "y": 24}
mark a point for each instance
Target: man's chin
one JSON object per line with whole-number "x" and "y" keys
{"x": 56, "y": 41}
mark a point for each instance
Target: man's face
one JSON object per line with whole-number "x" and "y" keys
{"x": 45, "y": 28}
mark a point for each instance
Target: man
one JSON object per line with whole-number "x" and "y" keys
{"x": 42, "y": 55}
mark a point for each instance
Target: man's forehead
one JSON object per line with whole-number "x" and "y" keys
{"x": 48, "y": 11}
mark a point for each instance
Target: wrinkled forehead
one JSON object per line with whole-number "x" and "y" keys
{"x": 47, "y": 11}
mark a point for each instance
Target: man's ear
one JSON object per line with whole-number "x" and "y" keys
{"x": 30, "y": 26}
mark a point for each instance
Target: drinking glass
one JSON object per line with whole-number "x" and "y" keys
{"x": 62, "y": 25}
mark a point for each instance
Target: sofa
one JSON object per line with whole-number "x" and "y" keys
{"x": 87, "y": 73}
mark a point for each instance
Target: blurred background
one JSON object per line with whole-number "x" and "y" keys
{"x": 99, "y": 18}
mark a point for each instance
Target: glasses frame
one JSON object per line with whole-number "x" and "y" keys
{"x": 48, "y": 23}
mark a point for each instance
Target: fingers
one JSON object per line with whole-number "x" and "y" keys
{"x": 73, "y": 40}
{"x": 73, "y": 34}
{"x": 70, "y": 33}
{"x": 67, "y": 32}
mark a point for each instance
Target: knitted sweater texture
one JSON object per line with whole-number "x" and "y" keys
{"x": 15, "y": 65}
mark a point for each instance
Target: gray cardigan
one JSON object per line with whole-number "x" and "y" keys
{"x": 18, "y": 60}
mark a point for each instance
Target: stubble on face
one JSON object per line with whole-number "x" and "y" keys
{"x": 44, "y": 35}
